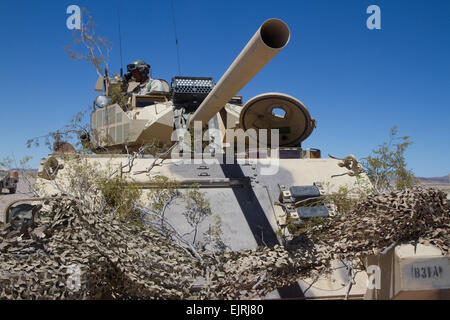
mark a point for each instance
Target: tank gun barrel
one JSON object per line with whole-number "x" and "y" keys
{"x": 271, "y": 37}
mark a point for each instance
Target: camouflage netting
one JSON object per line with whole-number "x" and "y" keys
{"x": 114, "y": 259}
{"x": 41, "y": 258}
{"x": 413, "y": 215}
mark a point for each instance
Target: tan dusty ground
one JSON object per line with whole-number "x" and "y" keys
{"x": 21, "y": 193}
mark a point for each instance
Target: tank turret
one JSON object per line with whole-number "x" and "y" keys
{"x": 154, "y": 117}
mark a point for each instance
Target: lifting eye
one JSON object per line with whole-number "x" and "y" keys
{"x": 279, "y": 113}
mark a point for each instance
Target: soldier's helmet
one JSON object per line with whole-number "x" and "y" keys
{"x": 140, "y": 65}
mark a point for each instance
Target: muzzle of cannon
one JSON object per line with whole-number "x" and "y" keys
{"x": 271, "y": 37}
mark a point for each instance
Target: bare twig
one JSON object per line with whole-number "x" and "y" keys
{"x": 161, "y": 156}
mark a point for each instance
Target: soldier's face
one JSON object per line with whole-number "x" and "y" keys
{"x": 137, "y": 75}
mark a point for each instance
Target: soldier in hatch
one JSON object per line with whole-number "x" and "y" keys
{"x": 140, "y": 71}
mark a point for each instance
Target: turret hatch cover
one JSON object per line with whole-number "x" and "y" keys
{"x": 278, "y": 111}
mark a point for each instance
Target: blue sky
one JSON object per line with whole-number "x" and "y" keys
{"x": 357, "y": 83}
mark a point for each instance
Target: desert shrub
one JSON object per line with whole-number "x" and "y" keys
{"x": 197, "y": 208}
{"x": 6, "y": 163}
{"x": 386, "y": 169}
{"x": 99, "y": 188}
{"x": 386, "y": 165}
{"x": 164, "y": 192}
{"x": 213, "y": 236}
{"x": 120, "y": 196}
{"x": 345, "y": 197}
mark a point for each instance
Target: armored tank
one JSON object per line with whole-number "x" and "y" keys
{"x": 248, "y": 158}
{"x": 244, "y": 156}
